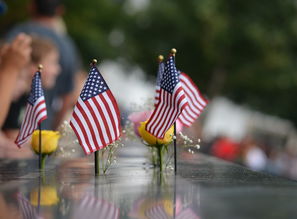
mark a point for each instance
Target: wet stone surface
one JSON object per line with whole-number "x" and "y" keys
{"x": 204, "y": 187}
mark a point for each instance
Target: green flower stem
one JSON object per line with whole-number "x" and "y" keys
{"x": 43, "y": 156}
{"x": 160, "y": 155}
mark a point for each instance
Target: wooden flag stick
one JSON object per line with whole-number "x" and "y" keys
{"x": 174, "y": 198}
{"x": 39, "y": 194}
{"x": 40, "y": 142}
{"x": 96, "y": 154}
{"x": 40, "y": 67}
{"x": 97, "y": 163}
{"x": 173, "y": 52}
{"x": 175, "y": 150}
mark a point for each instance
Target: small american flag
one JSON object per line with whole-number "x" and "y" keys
{"x": 28, "y": 211}
{"x": 172, "y": 100}
{"x": 196, "y": 101}
{"x": 96, "y": 116}
{"x": 158, "y": 82}
{"x": 91, "y": 207}
{"x": 35, "y": 111}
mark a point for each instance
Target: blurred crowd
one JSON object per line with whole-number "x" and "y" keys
{"x": 258, "y": 155}
{"x": 43, "y": 39}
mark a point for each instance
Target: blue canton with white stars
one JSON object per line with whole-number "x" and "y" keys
{"x": 94, "y": 85}
{"x": 36, "y": 89}
{"x": 170, "y": 77}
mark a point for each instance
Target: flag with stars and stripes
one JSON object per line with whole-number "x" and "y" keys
{"x": 96, "y": 116}
{"x": 35, "y": 111}
{"x": 172, "y": 101}
{"x": 196, "y": 101}
{"x": 92, "y": 207}
{"x": 158, "y": 82}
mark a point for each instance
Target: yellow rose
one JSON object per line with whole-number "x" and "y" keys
{"x": 152, "y": 140}
{"x": 49, "y": 141}
{"x": 48, "y": 196}
{"x": 168, "y": 207}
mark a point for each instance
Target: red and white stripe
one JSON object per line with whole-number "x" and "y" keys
{"x": 34, "y": 115}
{"x": 186, "y": 214}
{"x": 96, "y": 122}
{"x": 91, "y": 207}
{"x": 157, "y": 94}
{"x": 167, "y": 111}
{"x": 157, "y": 212}
{"x": 196, "y": 101}
{"x": 28, "y": 211}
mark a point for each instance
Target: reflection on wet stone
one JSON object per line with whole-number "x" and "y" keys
{"x": 133, "y": 189}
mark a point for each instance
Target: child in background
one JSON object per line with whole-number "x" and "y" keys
{"x": 43, "y": 52}
{"x": 13, "y": 58}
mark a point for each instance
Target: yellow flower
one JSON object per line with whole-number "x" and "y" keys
{"x": 48, "y": 196}
{"x": 49, "y": 141}
{"x": 168, "y": 207}
{"x": 152, "y": 140}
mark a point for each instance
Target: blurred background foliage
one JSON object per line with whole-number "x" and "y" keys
{"x": 245, "y": 50}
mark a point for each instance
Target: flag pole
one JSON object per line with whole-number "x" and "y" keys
{"x": 40, "y": 67}
{"x": 39, "y": 195}
{"x": 174, "y": 198}
{"x": 97, "y": 163}
{"x": 173, "y": 52}
{"x": 40, "y": 156}
{"x": 174, "y": 144}
{"x": 96, "y": 154}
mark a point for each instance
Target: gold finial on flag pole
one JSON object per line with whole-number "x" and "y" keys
{"x": 94, "y": 62}
{"x": 40, "y": 67}
{"x": 160, "y": 58}
{"x": 173, "y": 51}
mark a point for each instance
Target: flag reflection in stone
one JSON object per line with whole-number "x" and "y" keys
{"x": 28, "y": 211}
{"x": 94, "y": 208}
{"x": 151, "y": 208}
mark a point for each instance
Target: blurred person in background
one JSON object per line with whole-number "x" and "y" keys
{"x": 225, "y": 148}
{"x": 13, "y": 58}
{"x": 46, "y": 22}
{"x": 252, "y": 155}
{"x": 45, "y": 52}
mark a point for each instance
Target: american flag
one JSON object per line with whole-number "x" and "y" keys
{"x": 91, "y": 207}
{"x": 172, "y": 100}
{"x": 35, "y": 111}
{"x": 27, "y": 210}
{"x": 196, "y": 101}
{"x": 158, "y": 82}
{"x": 96, "y": 116}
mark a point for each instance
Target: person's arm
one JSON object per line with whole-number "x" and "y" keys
{"x": 14, "y": 57}
{"x": 69, "y": 100}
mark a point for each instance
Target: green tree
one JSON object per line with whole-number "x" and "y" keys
{"x": 243, "y": 50}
